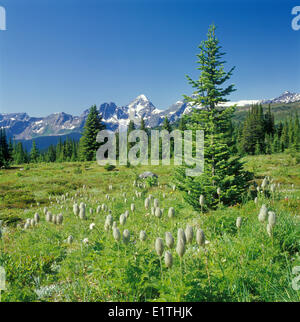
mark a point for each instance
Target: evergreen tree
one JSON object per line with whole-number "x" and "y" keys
{"x": 34, "y": 153}
{"x": 142, "y": 127}
{"x": 4, "y": 149}
{"x": 88, "y": 143}
{"x": 220, "y": 169}
{"x": 166, "y": 125}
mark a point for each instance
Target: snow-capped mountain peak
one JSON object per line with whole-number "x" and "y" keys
{"x": 285, "y": 97}
{"x": 22, "y": 126}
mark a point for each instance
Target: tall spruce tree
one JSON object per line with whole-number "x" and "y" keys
{"x": 34, "y": 153}
{"x": 220, "y": 168}
{"x": 88, "y": 143}
{"x": 4, "y": 149}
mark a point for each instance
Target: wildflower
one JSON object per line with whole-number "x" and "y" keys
{"x": 201, "y": 200}
{"x": 168, "y": 259}
{"x": 114, "y": 225}
{"x": 189, "y": 234}
{"x": 181, "y": 235}
{"x": 45, "y": 210}
{"x": 219, "y": 191}
{"x": 156, "y": 203}
{"x": 159, "y": 246}
{"x": 264, "y": 184}
{"x": 126, "y": 236}
{"x": 200, "y": 237}
{"x": 85, "y": 241}
{"x": 239, "y": 222}
{"x": 262, "y": 216}
{"x": 75, "y": 209}
{"x": 122, "y": 219}
{"x": 180, "y": 248}
{"x": 92, "y": 226}
{"x": 59, "y": 219}
{"x": 54, "y": 220}
{"x": 126, "y": 214}
{"x": 171, "y": 212}
{"x": 132, "y": 207}
{"x": 143, "y": 235}
{"x": 98, "y": 209}
{"x": 116, "y": 234}
{"x": 109, "y": 220}
{"x": 169, "y": 240}
{"x": 269, "y": 230}
{"x": 37, "y": 218}
{"x": 271, "y": 219}
{"x": 70, "y": 239}
{"x": 49, "y": 216}
{"x": 157, "y": 212}
{"x": 147, "y": 203}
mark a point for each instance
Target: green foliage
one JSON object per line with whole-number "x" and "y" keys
{"x": 237, "y": 264}
{"x": 220, "y": 168}
{"x": 88, "y": 144}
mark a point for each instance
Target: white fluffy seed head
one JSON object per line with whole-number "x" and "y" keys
{"x": 262, "y": 216}
{"x": 168, "y": 259}
{"x": 143, "y": 235}
{"x": 169, "y": 240}
{"x": 70, "y": 239}
{"x": 126, "y": 236}
{"x": 92, "y": 226}
{"x": 239, "y": 222}
{"x": 49, "y": 216}
{"x": 200, "y": 237}
{"x": 26, "y": 226}
{"x": 132, "y": 207}
{"x": 114, "y": 225}
{"x": 171, "y": 212}
{"x": 82, "y": 213}
{"x": 98, "y": 209}
{"x": 219, "y": 191}
{"x": 117, "y": 234}
{"x": 45, "y": 210}
{"x": 269, "y": 230}
{"x": 156, "y": 203}
{"x": 271, "y": 218}
{"x": 201, "y": 200}
{"x": 126, "y": 213}
{"x": 109, "y": 220}
{"x": 37, "y": 217}
{"x": 75, "y": 209}
{"x": 159, "y": 246}
{"x": 264, "y": 183}
{"x": 158, "y": 212}
{"x": 152, "y": 210}
{"x": 256, "y": 200}
{"x": 59, "y": 219}
{"x": 181, "y": 235}
{"x": 189, "y": 233}
{"x": 122, "y": 219}
{"x": 180, "y": 248}
{"x": 54, "y": 219}
{"x": 147, "y": 201}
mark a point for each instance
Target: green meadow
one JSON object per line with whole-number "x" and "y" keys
{"x": 234, "y": 264}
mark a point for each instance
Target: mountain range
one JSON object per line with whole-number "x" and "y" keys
{"x": 23, "y": 127}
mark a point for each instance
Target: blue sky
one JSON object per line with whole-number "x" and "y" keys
{"x": 65, "y": 55}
